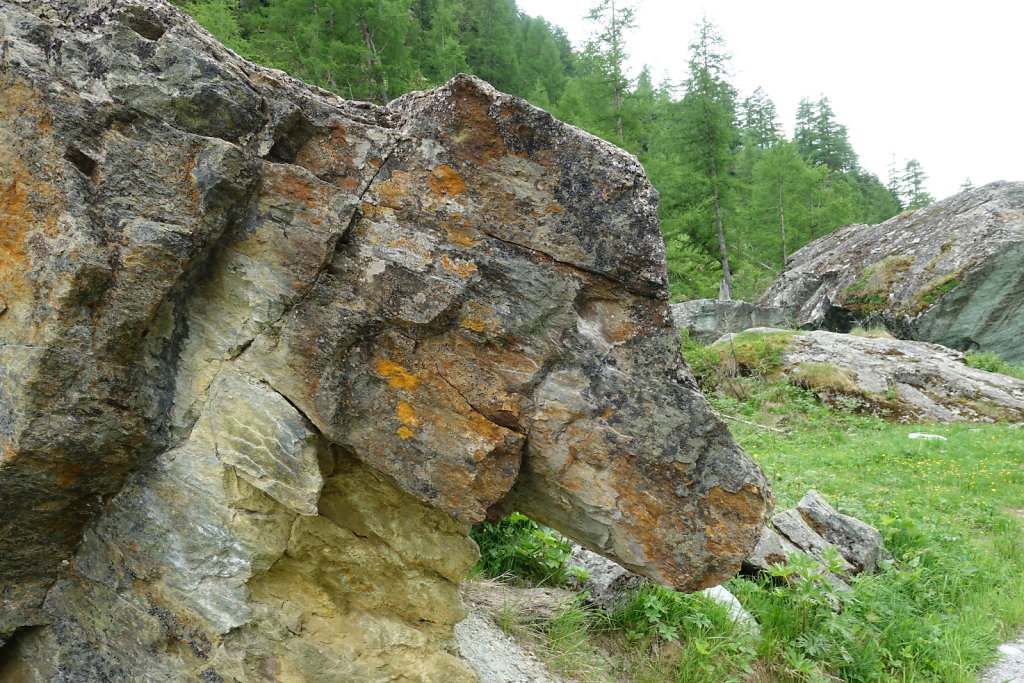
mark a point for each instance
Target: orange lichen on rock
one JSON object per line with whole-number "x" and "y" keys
{"x": 460, "y": 235}
{"x": 446, "y": 182}
{"x": 397, "y": 191}
{"x": 731, "y": 515}
{"x": 406, "y": 414}
{"x": 473, "y": 133}
{"x": 479, "y": 318}
{"x": 331, "y": 156}
{"x": 396, "y": 375}
{"x": 461, "y": 268}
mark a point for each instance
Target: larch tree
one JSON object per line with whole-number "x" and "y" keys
{"x": 709, "y": 136}
{"x": 612, "y": 19}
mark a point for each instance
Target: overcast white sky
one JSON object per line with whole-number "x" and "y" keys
{"x": 939, "y": 81}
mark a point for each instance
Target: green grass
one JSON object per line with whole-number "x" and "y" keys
{"x": 946, "y": 510}
{"x": 992, "y": 362}
{"x": 950, "y": 513}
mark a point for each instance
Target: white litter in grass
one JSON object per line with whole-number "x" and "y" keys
{"x": 929, "y": 437}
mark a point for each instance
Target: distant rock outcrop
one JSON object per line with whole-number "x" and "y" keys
{"x": 266, "y": 354}
{"x": 900, "y": 380}
{"x": 705, "y": 320}
{"x": 949, "y": 273}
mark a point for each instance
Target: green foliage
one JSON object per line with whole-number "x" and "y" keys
{"x": 934, "y": 290}
{"x": 993, "y": 362}
{"x": 520, "y": 547}
{"x": 933, "y": 614}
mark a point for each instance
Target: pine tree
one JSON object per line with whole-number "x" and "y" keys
{"x": 607, "y": 52}
{"x": 915, "y": 195}
{"x": 490, "y": 29}
{"x": 759, "y": 121}
{"x": 708, "y": 134}
{"x": 821, "y": 139}
{"x": 438, "y": 53}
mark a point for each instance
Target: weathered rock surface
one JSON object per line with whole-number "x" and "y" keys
{"x": 859, "y": 543}
{"x": 948, "y": 273}
{"x": 607, "y": 584}
{"x": 708, "y": 319}
{"x": 811, "y": 527}
{"x": 495, "y": 656}
{"x": 901, "y": 380}
{"x": 265, "y": 354}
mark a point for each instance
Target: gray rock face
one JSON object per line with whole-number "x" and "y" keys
{"x": 900, "y": 380}
{"x": 811, "y": 527}
{"x": 265, "y": 354}
{"x": 771, "y": 548}
{"x": 708, "y": 319}
{"x": 948, "y": 273}
{"x": 860, "y": 543}
{"x": 792, "y": 525}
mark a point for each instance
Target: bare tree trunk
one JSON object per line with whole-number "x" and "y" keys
{"x": 782, "y": 226}
{"x": 374, "y": 79}
{"x": 810, "y": 214}
{"x": 618, "y": 114}
{"x": 725, "y": 289}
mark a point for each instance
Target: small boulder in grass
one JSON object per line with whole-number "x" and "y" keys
{"x": 791, "y": 524}
{"x": 811, "y": 527}
{"x": 859, "y": 543}
{"x": 607, "y": 583}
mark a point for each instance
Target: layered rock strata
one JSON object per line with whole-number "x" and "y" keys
{"x": 948, "y": 273}
{"x": 266, "y": 354}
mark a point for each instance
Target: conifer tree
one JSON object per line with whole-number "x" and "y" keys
{"x": 708, "y": 134}
{"x": 607, "y": 52}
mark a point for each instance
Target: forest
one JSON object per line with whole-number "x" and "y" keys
{"x": 738, "y": 195}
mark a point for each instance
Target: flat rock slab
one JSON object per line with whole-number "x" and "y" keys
{"x": 495, "y": 656}
{"x": 897, "y": 379}
{"x": 1010, "y": 667}
{"x": 706, "y": 320}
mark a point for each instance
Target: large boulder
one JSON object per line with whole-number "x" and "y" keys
{"x": 948, "y": 273}
{"x": 266, "y": 354}
{"x": 899, "y": 380}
